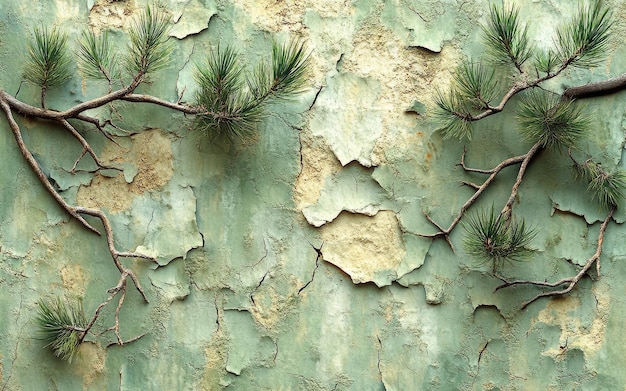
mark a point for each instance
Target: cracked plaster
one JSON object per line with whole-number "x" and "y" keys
{"x": 242, "y": 298}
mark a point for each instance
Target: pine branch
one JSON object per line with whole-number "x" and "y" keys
{"x": 231, "y": 100}
{"x": 523, "y": 160}
{"x": 581, "y": 42}
{"x": 506, "y": 39}
{"x": 596, "y": 88}
{"x": 569, "y": 281}
{"x": 96, "y": 58}
{"x": 149, "y": 47}
{"x": 48, "y": 63}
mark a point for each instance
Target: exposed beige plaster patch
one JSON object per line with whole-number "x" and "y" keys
{"x": 366, "y": 248}
{"x": 271, "y": 307}
{"x": 66, "y": 10}
{"x": 106, "y": 14}
{"x": 90, "y": 363}
{"x": 281, "y": 15}
{"x": 318, "y": 163}
{"x": 573, "y": 333}
{"x": 216, "y": 354}
{"x": 74, "y": 277}
{"x": 151, "y": 152}
{"x": 405, "y": 75}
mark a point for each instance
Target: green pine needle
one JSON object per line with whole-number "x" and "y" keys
{"x": 452, "y": 115}
{"x": 476, "y": 84}
{"x": 490, "y": 239}
{"x": 547, "y": 62}
{"x": 96, "y": 57}
{"x": 553, "y": 121}
{"x": 585, "y": 40}
{"x": 290, "y": 64}
{"x": 48, "y": 63}
{"x": 507, "y": 40}
{"x": 235, "y": 102}
{"x": 607, "y": 188}
{"x": 61, "y": 327}
{"x": 223, "y": 93}
{"x": 149, "y": 46}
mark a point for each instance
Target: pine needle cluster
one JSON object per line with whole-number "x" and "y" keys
{"x": 235, "y": 101}
{"x": 580, "y": 42}
{"x": 492, "y": 239}
{"x": 552, "y": 120}
{"x": 607, "y": 188}
{"x": 61, "y": 326}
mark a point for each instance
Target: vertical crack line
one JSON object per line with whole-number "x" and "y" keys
{"x": 180, "y": 94}
{"x": 217, "y": 317}
{"x": 196, "y": 212}
{"x": 301, "y": 155}
{"x": 378, "y": 350}
{"x": 317, "y": 265}
{"x": 317, "y": 94}
{"x": 480, "y": 356}
{"x": 17, "y": 343}
{"x": 257, "y": 287}
{"x": 276, "y": 352}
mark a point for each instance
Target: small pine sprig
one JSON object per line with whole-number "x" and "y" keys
{"x": 48, "y": 63}
{"x": 61, "y": 326}
{"x": 473, "y": 88}
{"x": 506, "y": 39}
{"x": 551, "y": 120}
{"x": 234, "y": 102}
{"x": 97, "y": 59}
{"x": 584, "y": 41}
{"x": 607, "y": 188}
{"x": 452, "y": 115}
{"x": 290, "y": 63}
{"x": 149, "y": 48}
{"x": 491, "y": 239}
{"x": 476, "y": 84}
{"x": 222, "y": 93}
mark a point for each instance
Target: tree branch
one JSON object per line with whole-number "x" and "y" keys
{"x": 597, "y": 88}
{"x": 570, "y": 281}
{"x": 493, "y": 173}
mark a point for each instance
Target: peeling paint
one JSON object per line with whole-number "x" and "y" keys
{"x": 293, "y": 260}
{"x": 150, "y": 152}
{"x": 368, "y": 249}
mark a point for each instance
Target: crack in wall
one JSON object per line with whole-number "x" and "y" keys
{"x": 317, "y": 264}
{"x": 17, "y": 343}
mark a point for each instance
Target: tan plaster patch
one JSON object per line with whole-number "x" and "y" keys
{"x": 318, "y": 163}
{"x": 151, "y": 152}
{"x": 216, "y": 354}
{"x": 271, "y": 307}
{"x": 106, "y": 14}
{"x": 405, "y": 74}
{"x": 573, "y": 333}
{"x": 281, "y": 15}
{"x": 74, "y": 277}
{"x": 363, "y": 246}
{"x": 90, "y": 363}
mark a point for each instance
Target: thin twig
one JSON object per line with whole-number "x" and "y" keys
{"x": 570, "y": 281}
{"x": 493, "y": 173}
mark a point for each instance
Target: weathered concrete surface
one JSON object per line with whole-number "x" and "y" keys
{"x": 292, "y": 261}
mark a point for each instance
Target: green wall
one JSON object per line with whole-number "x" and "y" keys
{"x": 292, "y": 261}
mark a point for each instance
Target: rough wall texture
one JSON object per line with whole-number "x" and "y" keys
{"x": 291, "y": 261}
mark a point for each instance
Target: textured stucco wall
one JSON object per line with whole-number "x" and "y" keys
{"x": 291, "y": 261}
